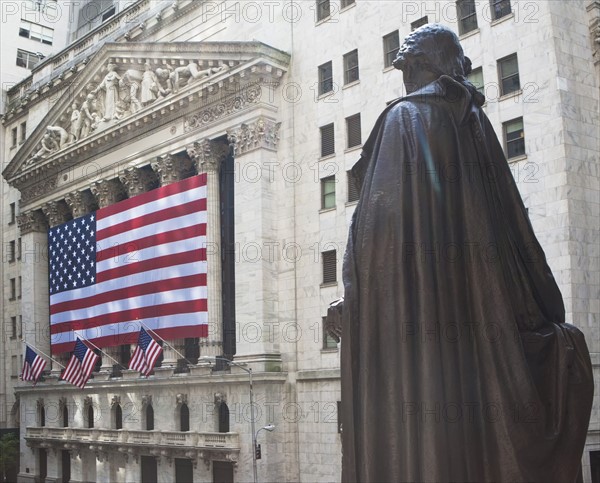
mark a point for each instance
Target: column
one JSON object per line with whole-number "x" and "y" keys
{"x": 56, "y": 214}
{"x": 257, "y": 244}
{"x": 34, "y": 282}
{"x": 170, "y": 169}
{"x": 133, "y": 472}
{"x": 207, "y": 156}
{"x": 108, "y": 192}
{"x": 53, "y": 473}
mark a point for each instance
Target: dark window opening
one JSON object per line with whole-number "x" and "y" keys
{"x": 90, "y": 416}
{"x": 328, "y": 193}
{"x": 323, "y": 9}
{"x": 184, "y": 418}
{"x": 467, "y": 16}
{"x": 391, "y": 45}
{"x": 514, "y": 136}
{"x": 351, "y": 67}
{"x": 223, "y": 418}
{"x": 508, "y": 71}
{"x": 328, "y": 341}
{"x": 149, "y": 419}
{"x": 353, "y": 131}
{"x": 65, "y": 416}
{"x": 419, "y": 23}
{"x": 325, "y": 78}
{"x": 329, "y": 266}
{"x": 118, "y": 416}
{"x": 327, "y": 140}
{"x": 500, "y": 8}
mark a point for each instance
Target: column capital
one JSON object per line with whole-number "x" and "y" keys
{"x": 171, "y": 168}
{"x": 136, "y": 181}
{"x": 80, "y": 203}
{"x": 32, "y": 221}
{"x": 107, "y": 192}
{"x": 263, "y": 133}
{"x": 56, "y": 212}
{"x": 207, "y": 155}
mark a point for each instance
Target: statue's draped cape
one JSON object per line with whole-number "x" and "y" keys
{"x": 457, "y": 363}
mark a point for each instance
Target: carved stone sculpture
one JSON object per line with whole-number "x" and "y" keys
{"x": 456, "y": 361}
{"x": 110, "y": 86}
{"x": 89, "y": 115}
{"x": 76, "y": 121}
{"x": 191, "y": 73}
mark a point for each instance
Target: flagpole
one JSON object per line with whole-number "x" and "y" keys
{"x": 165, "y": 342}
{"x": 43, "y": 353}
{"x": 96, "y": 347}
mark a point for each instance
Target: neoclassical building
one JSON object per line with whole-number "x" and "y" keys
{"x": 271, "y": 101}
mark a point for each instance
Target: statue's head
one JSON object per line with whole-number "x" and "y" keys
{"x": 429, "y": 52}
{"x": 111, "y": 67}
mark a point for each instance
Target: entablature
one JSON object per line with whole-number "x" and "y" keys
{"x": 140, "y": 91}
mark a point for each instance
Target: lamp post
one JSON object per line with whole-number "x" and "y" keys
{"x": 254, "y": 434}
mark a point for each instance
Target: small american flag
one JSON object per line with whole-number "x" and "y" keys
{"x": 146, "y": 353}
{"x": 32, "y": 366}
{"x": 140, "y": 260}
{"x": 80, "y": 365}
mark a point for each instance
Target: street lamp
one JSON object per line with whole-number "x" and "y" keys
{"x": 257, "y": 452}
{"x": 269, "y": 427}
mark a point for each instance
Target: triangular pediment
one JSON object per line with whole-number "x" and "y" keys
{"x": 126, "y": 81}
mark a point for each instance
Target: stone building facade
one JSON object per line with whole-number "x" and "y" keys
{"x": 271, "y": 100}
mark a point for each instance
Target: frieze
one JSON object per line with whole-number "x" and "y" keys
{"x": 38, "y": 189}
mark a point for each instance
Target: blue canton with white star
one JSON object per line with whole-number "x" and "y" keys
{"x": 72, "y": 254}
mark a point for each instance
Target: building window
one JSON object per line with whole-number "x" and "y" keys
{"x": 13, "y": 289}
{"x": 391, "y": 45}
{"x": 323, "y": 9}
{"x": 328, "y": 193}
{"x": 23, "y": 131}
{"x": 20, "y": 326}
{"x": 42, "y": 415}
{"x": 19, "y": 248}
{"x": 328, "y": 341}
{"x": 467, "y": 16}
{"x": 20, "y": 287}
{"x": 65, "y": 416}
{"x": 476, "y": 78}
{"x": 595, "y": 466}
{"x": 419, "y": 23}
{"x": 514, "y": 136}
{"x": 12, "y": 251}
{"x": 27, "y": 59}
{"x": 223, "y": 418}
{"x": 184, "y": 417}
{"x": 13, "y": 327}
{"x": 500, "y": 8}
{"x": 149, "y": 419}
{"x": 347, "y": 3}
{"x": 109, "y": 13}
{"x": 191, "y": 349}
{"x": 325, "y": 78}
{"x": 13, "y": 137}
{"x": 508, "y": 71}
{"x": 353, "y": 131}
{"x": 353, "y": 187}
{"x": 14, "y": 367}
{"x": 90, "y": 416}
{"x": 351, "y": 67}
{"x": 36, "y": 32}
{"x": 13, "y": 213}
{"x": 327, "y": 140}
{"x": 329, "y": 267}
{"x": 117, "y": 416}
{"x": 339, "y": 416}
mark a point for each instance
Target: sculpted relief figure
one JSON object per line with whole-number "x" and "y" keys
{"x": 131, "y": 80}
{"x": 76, "y": 121}
{"x": 163, "y": 74}
{"x": 110, "y": 86}
{"x": 456, "y": 361}
{"x": 191, "y": 73}
{"x": 88, "y": 109}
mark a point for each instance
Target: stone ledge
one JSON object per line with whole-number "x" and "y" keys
{"x": 318, "y": 375}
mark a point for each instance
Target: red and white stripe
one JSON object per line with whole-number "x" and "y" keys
{"x": 33, "y": 372}
{"x": 143, "y": 361}
{"x": 150, "y": 268}
{"x": 78, "y": 373}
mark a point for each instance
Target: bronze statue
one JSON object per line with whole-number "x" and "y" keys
{"x": 456, "y": 361}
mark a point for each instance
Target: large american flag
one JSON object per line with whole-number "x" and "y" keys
{"x": 80, "y": 366}
{"x": 146, "y": 353}
{"x": 142, "y": 260}
{"x": 33, "y": 365}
